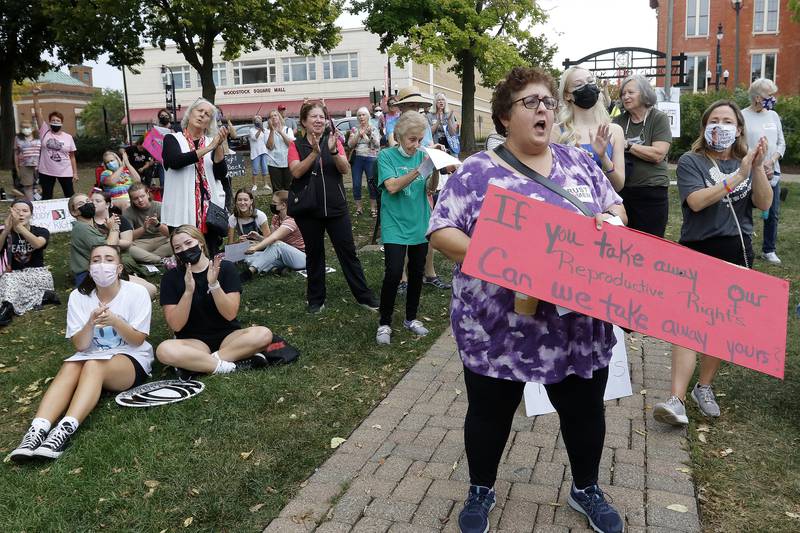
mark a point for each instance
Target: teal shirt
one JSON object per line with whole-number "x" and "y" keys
{"x": 404, "y": 214}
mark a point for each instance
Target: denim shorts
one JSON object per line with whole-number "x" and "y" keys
{"x": 260, "y": 165}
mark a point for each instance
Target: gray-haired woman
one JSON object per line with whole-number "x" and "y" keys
{"x": 760, "y": 120}
{"x": 647, "y": 141}
{"x": 194, "y": 163}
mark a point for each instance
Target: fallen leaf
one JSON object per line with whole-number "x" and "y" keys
{"x": 678, "y": 508}
{"x": 702, "y": 437}
{"x": 458, "y": 392}
{"x": 319, "y": 393}
{"x": 703, "y": 428}
{"x": 149, "y": 493}
{"x": 151, "y": 429}
{"x": 684, "y": 470}
{"x": 76, "y": 470}
{"x": 455, "y": 465}
{"x": 336, "y": 386}
{"x": 256, "y": 507}
{"x": 198, "y": 441}
{"x": 377, "y": 426}
{"x": 152, "y": 483}
{"x": 194, "y": 492}
{"x": 101, "y": 500}
{"x": 44, "y": 471}
{"x": 271, "y": 490}
{"x": 726, "y": 452}
{"x": 280, "y": 400}
{"x": 292, "y": 416}
{"x": 115, "y": 470}
{"x": 720, "y": 395}
{"x": 245, "y": 455}
{"x": 336, "y": 442}
{"x": 188, "y": 521}
{"x": 643, "y": 392}
{"x": 792, "y": 515}
{"x": 640, "y": 432}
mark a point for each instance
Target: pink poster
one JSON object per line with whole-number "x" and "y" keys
{"x": 154, "y": 143}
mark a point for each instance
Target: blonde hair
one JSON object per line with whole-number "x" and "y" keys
{"x": 194, "y": 233}
{"x": 566, "y": 112}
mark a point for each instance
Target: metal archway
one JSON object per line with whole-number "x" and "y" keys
{"x": 619, "y": 63}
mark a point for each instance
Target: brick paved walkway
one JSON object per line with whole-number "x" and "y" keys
{"x": 404, "y": 469}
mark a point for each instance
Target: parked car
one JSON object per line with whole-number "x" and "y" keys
{"x": 242, "y": 142}
{"x": 345, "y": 124}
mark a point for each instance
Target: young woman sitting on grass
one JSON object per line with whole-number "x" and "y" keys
{"x": 247, "y": 222}
{"x": 201, "y": 302}
{"x": 108, "y": 320}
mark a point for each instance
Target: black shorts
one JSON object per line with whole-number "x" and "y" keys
{"x": 141, "y": 375}
{"x": 212, "y": 340}
{"x": 726, "y": 248}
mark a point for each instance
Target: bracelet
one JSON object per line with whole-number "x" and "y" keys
{"x": 334, "y": 152}
{"x": 727, "y": 187}
{"x": 213, "y": 287}
{"x": 610, "y": 170}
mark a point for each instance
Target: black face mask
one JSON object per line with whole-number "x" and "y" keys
{"x": 55, "y": 128}
{"x": 164, "y": 121}
{"x": 190, "y": 256}
{"x": 586, "y": 96}
{"x": 87, "y": 210}
{"x": 274, "y": 209}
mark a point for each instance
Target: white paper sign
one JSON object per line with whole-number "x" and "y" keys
{"x": 235, "y": 252}
{"x": 673, "y": 111}
{"x": 52, "y": 215}
{"x": 441, "y": 159}
{"x": 618, "y": 386}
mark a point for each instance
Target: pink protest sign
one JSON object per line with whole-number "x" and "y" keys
{"x": 154, "y": 143}
{"x": 631, "y": 279}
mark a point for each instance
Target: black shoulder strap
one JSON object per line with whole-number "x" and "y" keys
{"x": 506, "y": 155}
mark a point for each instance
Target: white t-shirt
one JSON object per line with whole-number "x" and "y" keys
{"x": 132, "y": 304}
{"x": 258, "y": 146}
{"x": 246, "y": 225}
{"x": 279, "y": 155}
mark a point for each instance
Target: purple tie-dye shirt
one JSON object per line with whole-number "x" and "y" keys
{"x": 492, "y": 339}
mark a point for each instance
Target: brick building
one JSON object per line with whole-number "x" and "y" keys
{"x": 769, "y": 41}
{"x": 66, "y": 93}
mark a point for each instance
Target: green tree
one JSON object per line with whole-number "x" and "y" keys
{"x": 36, "y": 36}
{"x": 538, "y": 52}
{"x": 307, "y": 26}
{"x": 486, "y": 36}
{"x": 794, "y": 7}
{"x": 96, "y": 124}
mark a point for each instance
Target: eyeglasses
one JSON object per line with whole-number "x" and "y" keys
{"x": 532, "y": 101}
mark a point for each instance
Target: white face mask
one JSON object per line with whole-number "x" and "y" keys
{"x": 103, "y": 274}
{"x": 720, "y": 137}
{"x": 27, "y": 131}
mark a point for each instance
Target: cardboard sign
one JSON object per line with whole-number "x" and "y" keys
{"x": 236, "y": 168}
{"x": 154, "y": 143}
{"x": 618, "y": 386}
{"x": 631, "y": 279}
{"x": 52, "y": 215}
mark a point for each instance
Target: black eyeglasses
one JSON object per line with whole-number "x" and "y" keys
{"x": 532, "y": 101}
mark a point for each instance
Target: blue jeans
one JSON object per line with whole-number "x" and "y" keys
{"x": 363, "y": 164}
{"x": 771, "y": 222}
{"x": 260, "y": 165}
{"x": 277, "y": 255}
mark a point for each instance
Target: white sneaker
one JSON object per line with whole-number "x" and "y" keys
{"x": 671, "y": 412}
{"x": 415, "y": 327}
{"x": 772, "y": 257}
{"x": 267, "y": 189}
{"x": 254, "y": 188}
{"x": 384, "y": 335}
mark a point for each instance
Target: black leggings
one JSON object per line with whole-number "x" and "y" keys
{"x": 492, "y": 403}
{"x": 394, "y": 257}
{"x": 48, "y": 183}
{"x": 647, "y": 208}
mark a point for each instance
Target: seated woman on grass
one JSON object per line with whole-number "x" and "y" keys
{"x": 201, "y": 302}
{"x": 108, "y": 320}
{"x": 247, "y": 222}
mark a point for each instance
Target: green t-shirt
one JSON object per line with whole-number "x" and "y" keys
{"x": 406, "y": 213}
{"x": 655, "y": 127}
{"x": 82, "y": 238}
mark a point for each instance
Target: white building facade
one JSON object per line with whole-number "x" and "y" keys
{"x": 260, "y": 81}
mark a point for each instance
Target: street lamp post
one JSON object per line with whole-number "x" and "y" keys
{"x": 170, "y": 90}
{"x": 737, "y": 5}
{"x": 719, "y": 57}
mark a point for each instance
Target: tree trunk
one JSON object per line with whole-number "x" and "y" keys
{"x": 7, "y": 129}
{"x": 207, "y": 81}
{"x": 468, "y": 102}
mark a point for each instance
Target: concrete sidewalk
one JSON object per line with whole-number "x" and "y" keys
{"x": 404, "y": 469}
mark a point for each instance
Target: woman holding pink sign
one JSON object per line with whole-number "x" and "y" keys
{"x": 719, "y": 182}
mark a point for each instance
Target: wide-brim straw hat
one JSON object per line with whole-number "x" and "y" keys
{"x": 411, "y": 95}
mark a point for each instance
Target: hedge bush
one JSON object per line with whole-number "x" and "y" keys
{"x": 693, "y": 105}
{"x": 90, "y": 148}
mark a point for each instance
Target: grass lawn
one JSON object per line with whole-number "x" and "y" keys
{"x": 228, "y": 459}
{"x": 232, "y": 457}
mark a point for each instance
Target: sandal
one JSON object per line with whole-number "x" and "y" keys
{"x": 359, "y": 212}
{"x": 373, "y": 213}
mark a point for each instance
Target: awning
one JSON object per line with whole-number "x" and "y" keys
{"x": 337, "y": 107}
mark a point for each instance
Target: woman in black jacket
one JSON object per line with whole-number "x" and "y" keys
{"x": 317, "y": 163}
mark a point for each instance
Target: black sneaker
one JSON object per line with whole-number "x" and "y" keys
{"x": 436, "y": 281}
{"x": 50, "y": 297}
{"x": 402, "y": 288}
{"x": 254, "y": 362}
{"x": 185, "y": 375}
{"x": 55, "y": 443}
{"x": 30, "y": 442}
{"x": 315, "y": 309}
{"x": 371, "y": 303}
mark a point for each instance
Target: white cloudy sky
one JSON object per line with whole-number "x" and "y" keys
{"x": 579, "y": 27}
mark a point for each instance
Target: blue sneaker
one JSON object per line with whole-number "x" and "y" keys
{"x": 474, "y": 517}
{"x": 592, "y": 503}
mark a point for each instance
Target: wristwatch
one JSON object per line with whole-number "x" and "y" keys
{"x": 334, "y": 152}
